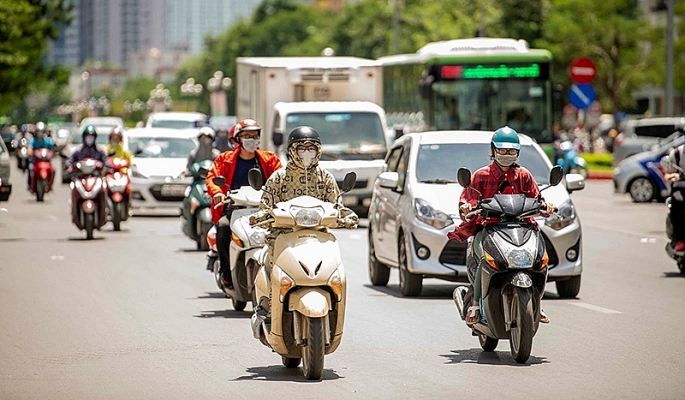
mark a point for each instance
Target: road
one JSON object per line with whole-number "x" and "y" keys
{"x": 134, "y": 314}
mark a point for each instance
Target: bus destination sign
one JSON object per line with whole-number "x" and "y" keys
{"x": 501, "y": 71}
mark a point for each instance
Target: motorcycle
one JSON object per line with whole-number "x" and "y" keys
{"x": 22, "y": 153}
{"x": 118, "y": 191}
{"x": 570, "y": 161}
{"x": 307, "y": 280}
{"x": 213, "y": 252}
{"x": 196, "y": 216}
{"x": 677, "y": 256}
{"x": 43, "y": 174}
{"x": 88, "y": 202}
{"x": 246, "y": 241}
{"x": 513, "y": 271}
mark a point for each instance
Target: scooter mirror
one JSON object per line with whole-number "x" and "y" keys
{"x": 556, "y": 175}
{"x": 349, "y": 181}
{"x": 666, "y": 162}
{"x": 255, "y": 178}
{"x": 219, "y": 180}
{"x": 464, "y": 177}
{"x": 202, "y": 173}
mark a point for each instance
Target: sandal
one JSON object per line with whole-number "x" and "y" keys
{"x": 473, "y": 313}
{"x": 544, "y": 318}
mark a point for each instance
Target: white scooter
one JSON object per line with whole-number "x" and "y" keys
{"x": 307, "y": 280}
{"x": 246, "y": 240}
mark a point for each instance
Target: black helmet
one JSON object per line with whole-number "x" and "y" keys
{"x": 303, "y": 134}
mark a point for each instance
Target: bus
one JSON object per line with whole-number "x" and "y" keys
{"x": 478, "y": 83}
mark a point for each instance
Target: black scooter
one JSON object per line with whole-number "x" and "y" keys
{"x": 514, "y": 269}
{"x": 678, "y": 256}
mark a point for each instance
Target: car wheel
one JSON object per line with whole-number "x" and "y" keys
{"x": 410, "y": 284}
{"x": 569, "y": 288}
{"x": 642, "y": 190}
{"x": 379, "y": 273}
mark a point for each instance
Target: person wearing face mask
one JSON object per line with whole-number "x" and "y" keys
{"x": 223, "y": 142}
{"x": 505, "y": 176}
{"x": 233, "y": 166}
{"x": 88, "y": 149}
{"x": 205, "y": 149}
{"x": 115, "y": 146}
{"x": 39, "y": 141}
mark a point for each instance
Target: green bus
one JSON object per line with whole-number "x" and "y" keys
{"x": 478, "y": 83}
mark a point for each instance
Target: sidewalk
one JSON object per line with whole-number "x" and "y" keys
{"x": 600, "y": 175}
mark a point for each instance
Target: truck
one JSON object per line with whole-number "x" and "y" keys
{"x": 337, "y": 96}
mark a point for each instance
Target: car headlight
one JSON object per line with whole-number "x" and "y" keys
{"x": 307, "y": 217}
{"x": 565, "y": 215}
{"x": 429, "y": 215}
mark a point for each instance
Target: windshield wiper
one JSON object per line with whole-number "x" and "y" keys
{"x": 438, "y": 180}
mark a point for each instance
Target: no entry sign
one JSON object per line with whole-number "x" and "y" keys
{"x": 583, "y": 70}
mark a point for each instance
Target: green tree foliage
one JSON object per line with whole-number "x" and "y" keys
{"x": 25, "y": 27}
{"x": 521, "y": 19}
{"x": 612, "y": 33}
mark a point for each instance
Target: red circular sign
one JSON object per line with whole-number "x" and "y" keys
{"x": 583, "y": 70}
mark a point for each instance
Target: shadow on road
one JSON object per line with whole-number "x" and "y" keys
{"x": 229, "y": 314}
{"x": 190, "y": 250}
{"x": 429, "y": 292}
{"x": 282, "y": 374}
{"x": 83, "y": 239}
{"x": 212, "y": 295}
{"x": 478, "y": 356}
{"x": 673, "y": 275}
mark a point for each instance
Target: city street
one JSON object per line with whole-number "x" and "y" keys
{"x": 134, "y": 314}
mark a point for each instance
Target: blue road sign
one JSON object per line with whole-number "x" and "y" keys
{"x": 582, "y": 95}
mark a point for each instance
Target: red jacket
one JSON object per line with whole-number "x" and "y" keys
{"x": 224, "y": 165}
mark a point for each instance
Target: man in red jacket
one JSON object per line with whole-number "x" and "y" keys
{"x": 233, "y": 166}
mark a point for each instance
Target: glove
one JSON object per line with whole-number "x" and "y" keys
{"x": 465, "y": 208}
{"x": 219, "y": 198}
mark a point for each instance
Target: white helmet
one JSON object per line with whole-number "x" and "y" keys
{"x": 206, "y": 131}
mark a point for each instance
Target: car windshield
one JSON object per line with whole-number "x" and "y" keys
{"x": 438, "y": 163}
{"x": 344, "y": 135}
{"x": 161, "y": 147}
{"x": 174, "y": 123}
{"x": 102, "y": 138}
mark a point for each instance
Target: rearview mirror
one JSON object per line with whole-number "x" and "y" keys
{"x": 464, "y": 177}
{"x": 255, "y": 178}
{"x": 349, "y": 181}
{"x": 219, "y": 180}
{"x": 202, "y": 173}
{"x": 556, "y": 175}
{"x": 666, "y": 162}
{"x": 277, "y": 138}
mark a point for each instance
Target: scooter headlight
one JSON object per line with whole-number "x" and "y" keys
{"x": 257, "y": 238}
{"x": 520, "y": 259}
{"x": 307, "y": 217}
{"x": 563, "y": 217}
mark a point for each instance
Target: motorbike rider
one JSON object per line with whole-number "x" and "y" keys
{"x": 677, "y": 210}
{"x": 16, "y": 142}
{"x": 115, "y": 146}
{"x": 205, "y": 149}
{"x": 88, "y": 149}
{"x": 233, "y": 166}
{"x": 302, "y": 176}
{"x": 39, "y": 141}
{"x": 503, "y": 175}
{"x": 224, "y": 139}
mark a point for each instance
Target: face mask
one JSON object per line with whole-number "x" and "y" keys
{"x": 90, "y": 140}
{"x": 115, "y": 142}
{"x": 207, "y": 141}
{"x": 307, "y": 156}
{"x": 250, "y": 144}
{"x": 506, "y": 160}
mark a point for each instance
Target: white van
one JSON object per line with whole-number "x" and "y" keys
{"x": 354, "y": 137}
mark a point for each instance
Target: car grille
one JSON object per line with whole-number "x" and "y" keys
{"x": 360, "y": 184}
{"x": 454, "y": 253}
{"x": 156, "y": 192}
{"x": 551, "y": 253}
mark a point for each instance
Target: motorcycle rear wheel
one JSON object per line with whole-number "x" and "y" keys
{"x": 117, "y": 214}
{"x": 290, "y": 362}
{"x": 313, "y": 352}
{"x": 487, "y": 343}
{"x": 521, "y": 335}
{"x": 238, "y": 305}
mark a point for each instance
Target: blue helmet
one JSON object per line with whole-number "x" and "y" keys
{"x": 506, "y": 138}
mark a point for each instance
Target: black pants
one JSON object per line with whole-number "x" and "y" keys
{"x": 677, "y": 213}
{"x": 223, "y": 244}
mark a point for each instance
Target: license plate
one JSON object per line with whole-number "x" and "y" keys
{"x": 173, "y": 190}
{"x": 350, "y": 201}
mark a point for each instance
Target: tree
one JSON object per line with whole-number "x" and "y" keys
{"x": 521, "y": 19}
{"x": 25, "y": 28}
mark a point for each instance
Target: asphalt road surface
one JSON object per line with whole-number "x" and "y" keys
{"x": 134, "y": 314}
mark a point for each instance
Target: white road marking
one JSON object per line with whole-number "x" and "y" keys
{"x": 3, "y": 209}
{"x": 648, "y": 240}
{"x": 56, "y": 258}
{"x": 595, "y": 308}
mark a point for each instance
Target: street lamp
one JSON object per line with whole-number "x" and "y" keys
{"x": 190, "y": 88}
{"x": 160, "y": 99}
{"x": 217, "y": 86}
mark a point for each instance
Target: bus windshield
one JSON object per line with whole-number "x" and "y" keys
{"x": 489, "y": 104}
{"x": 344, "y": 135}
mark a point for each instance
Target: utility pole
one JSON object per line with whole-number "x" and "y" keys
{"x": 395, "y": 26}
{"x": 669, "y": 58}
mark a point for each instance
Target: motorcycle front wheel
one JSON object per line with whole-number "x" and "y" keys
{"x": 522, "y": 330}
{"x": 313, "y": 352}
{"x": 90, "y": 225}
{"x": 117, "y": 214}
{"x": 487, "y": 343}
{"x": 41, "y": 188}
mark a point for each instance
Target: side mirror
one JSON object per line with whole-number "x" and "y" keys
{"x": 556, "y": 175}
{"x": 219, "y": 180}
{"x": 349, "y": 181}
{"x": 574, "y": 182}
{"x": 255, "y": 178}
{"x": 202, "y": 173}
{"x": 277, "y": 138}
{"x": 464, "y": 177}
{"x": 388, "y": 180}
{"x": 666, "y": 162}
{"x": 111, "y": 154}
{"x": 138, "y": 151}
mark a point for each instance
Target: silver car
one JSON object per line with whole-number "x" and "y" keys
{"x": 644, "y": 134}
{"x": 5, "y": 185}
{"x": 415, "y": 205}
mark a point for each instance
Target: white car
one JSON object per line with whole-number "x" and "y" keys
{"x": 177, "y": 120}
{"x": 160, "y": 157}
{"x": 415, "y": 205}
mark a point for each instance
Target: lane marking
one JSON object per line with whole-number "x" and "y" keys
{"x": 648, "y": 240}
{"x": 595, "y": 308}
